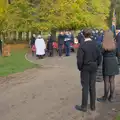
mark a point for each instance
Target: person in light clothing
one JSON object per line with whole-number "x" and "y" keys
{"x": 40, "y": 47}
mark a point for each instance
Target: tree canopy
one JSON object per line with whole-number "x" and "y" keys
{"x": 28, "y": 15}
{"x": 117, "y": 9}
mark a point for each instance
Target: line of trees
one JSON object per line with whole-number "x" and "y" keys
{"x": 117, "y": 9}
{"x": 25, "y": 16}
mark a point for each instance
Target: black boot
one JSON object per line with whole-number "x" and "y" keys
{"x": 80, "y": 108}
{"x": 111, "y": 98}
{"x": 102, "y": 99}
{"x": 92, "y": 107}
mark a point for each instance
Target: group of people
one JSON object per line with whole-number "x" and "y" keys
{"x": 38, "y": 46}
{"x": 41, "y": 48}
{"x": 96, "y": 35}
{"x": 90, "y": 55}
{"x": 96, "y": 47}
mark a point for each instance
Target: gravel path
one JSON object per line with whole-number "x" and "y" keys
{"x": 49, "y": 93}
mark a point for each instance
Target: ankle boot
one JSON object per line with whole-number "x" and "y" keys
{"x": 111, "y": 98}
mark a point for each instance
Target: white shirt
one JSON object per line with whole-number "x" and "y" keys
{"x": 88, "y": 39}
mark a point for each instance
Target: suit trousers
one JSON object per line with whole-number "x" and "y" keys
{"x": 88, "y": 82}
{"x": 67, "y": 50}
{"x": 60, "y": 50}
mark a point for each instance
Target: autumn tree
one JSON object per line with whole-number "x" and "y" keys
{"x": 53, "y": 15}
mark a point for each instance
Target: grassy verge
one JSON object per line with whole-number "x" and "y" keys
{"x": 118, "y": 117}
{"x": 15, "y": 63}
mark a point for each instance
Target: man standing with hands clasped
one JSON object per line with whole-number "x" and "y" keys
{"x": 88, "y": 60}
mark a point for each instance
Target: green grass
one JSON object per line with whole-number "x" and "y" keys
{"x": 15, "y": 63}
{"x": 118, "y": 117}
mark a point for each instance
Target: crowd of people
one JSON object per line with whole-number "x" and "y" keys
{"x": 41, "y": 48}
{"x": 66, "y": 42}
{"x": 96, "y": 47}
{"x": 91, "y": 53}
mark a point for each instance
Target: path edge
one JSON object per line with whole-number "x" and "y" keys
{"x": 26, "y": 58}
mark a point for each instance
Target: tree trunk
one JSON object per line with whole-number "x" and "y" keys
{"x": 9, "y": 1}
{"x": 112, "y": 7}
{"x": 3, "y": 37}
{"x": 40, "y": 32}
{"x": 9, "y": 36}
{"x": 14, "y": 36}
{"x": 20, "y": 36}
{"x": 27, "y": 36}
{"x": 53, "y": 34}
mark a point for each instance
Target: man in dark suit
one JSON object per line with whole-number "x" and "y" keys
{"x": 50, "y": 46}
{"x": 61, "y": 38}
{"x": 80, "y": 37}
{"x": 88, "y": 60}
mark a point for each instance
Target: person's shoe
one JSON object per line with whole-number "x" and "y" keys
{"x": 102, "y": 99}
{"x": 80, "y": 108}
{"x": 92, "y": 108}
{"x": 111, "y": 99}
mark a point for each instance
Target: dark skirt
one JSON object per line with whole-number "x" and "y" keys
{"x": 110, "y": 66}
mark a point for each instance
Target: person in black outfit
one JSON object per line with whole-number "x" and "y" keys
{"x": 32, "y": 42}
{"x": 110, "y": 67}
{"x": 72, "y": 37}
{"x": 61, "y": 38}
{"x": 81, "y": 38}
{"x": 50, "y": 46}
{"x": 88, "y": 59}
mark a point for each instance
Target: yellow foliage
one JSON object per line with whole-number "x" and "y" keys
{"x": 21, "y": 15}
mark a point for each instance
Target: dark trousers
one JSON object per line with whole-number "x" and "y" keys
{"x": 50, "y": 52}
{"x": 88, "y": 81}
{"x": 67, "y": 50}
{"x": 60, "y": 50}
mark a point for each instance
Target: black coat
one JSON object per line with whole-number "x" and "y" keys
{"x": 32, "y": 41}
{"x": 80, "y": 38}
{"x": 72, "y": 38}
{"x": 88, "y": 56}
{"x": 50, "y": 43}
{"x": 61, "y": 39}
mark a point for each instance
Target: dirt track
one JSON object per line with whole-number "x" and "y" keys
{"x": 48, "y": 93}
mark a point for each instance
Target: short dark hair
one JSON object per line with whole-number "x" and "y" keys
{"x": 87, "y": 33}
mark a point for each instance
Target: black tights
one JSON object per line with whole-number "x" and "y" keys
{"x": 109, "y": 86}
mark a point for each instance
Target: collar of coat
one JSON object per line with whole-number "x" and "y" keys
{"x": 88, "y": 39}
